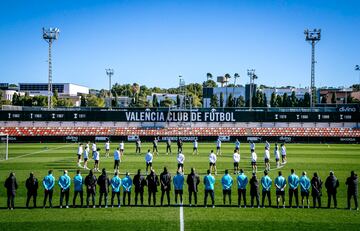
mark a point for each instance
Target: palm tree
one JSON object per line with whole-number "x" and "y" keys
{"x": 236, "y": 75}
{"x": 227, "y": 77}
{"x": 209, "y": 76}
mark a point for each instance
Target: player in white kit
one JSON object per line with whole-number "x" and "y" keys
{"x": 107, "y": 148}
{"x": 79, "y": 153}
{"x": 267, "y": 159}
{"x": 277, "y": 155}
{"x": 218, "y": 147}
{"x": 236, "y": 158}
{"x": 122, "y": 147}
{"x": 195, "y": 148}
{"x": 212, "y": 162}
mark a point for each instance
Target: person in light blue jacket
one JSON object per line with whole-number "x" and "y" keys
{"x": 227, "y": 183}
{"x": 293, "y": 181}
{"x": 78, "y": 188}
{"x": 127, "y": 185}
{"x": 280, "y": 184}
{"x": 115, "y": 186}
{"x": 266, "y": 183}
{"x": 305, "y": 189}
{"x": 242, "y": 182}
{"x": 49, "y": 183}
{"x": 64, "y": 184}
{"x": 209, "y": 182}
{"x": 178, "y": 182}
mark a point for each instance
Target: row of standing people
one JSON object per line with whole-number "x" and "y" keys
{"x": 152, "y": 181}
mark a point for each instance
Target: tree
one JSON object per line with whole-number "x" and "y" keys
{"x": 178, "y": 101}
{"x": 64, "y": 103}
{"x": 278, "y": 101}
{"x": 306, "y": 101}
{"x": 240, "y": 102}
{"x": 155, "y": 102}
{"x": 209, "y": 76}
{"x": 56, "y": 94}
{"x": 333, "y": 98}
{"x": 83, "y": 101}
{"x": 323, "y": 99}
{"x": 210, "y": 83}
{"x": 167, "y": 102}
{"x": 94, "y": 101}
{"x": 214, "y": 101}
{"x": 221, "y": 103}
{"x": 230, "y": 101}
{"x": 273, "y": 100}
{"x": 227, "y": 77}
{"x": 264, "y": 100}
{"x": 15, "y": 99}
{"x": 293, "y": 99}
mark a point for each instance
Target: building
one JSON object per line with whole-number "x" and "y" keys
{"x": 340, "y": 95}
{"x": 63, "y": 89}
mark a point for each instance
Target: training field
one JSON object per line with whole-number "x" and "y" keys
{"x": 309, "y": 157}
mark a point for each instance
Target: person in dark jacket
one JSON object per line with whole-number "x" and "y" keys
{"x": 331, "y": 185}
{"x": 90, "y": 183}
{"x": 316, "y": 185}
{"x": 165, "y": 181}
{"x": 32, "y": 185}
{"x": 254, "y": 190}
{"x": 103, "y": 182}
{"x": 11, "y": 187}
{"x": 352, "y": 190}
{"x": 179, "y": 145}
{"x": 139, "y": 184}
{"x": 193, "y": 180}
{"x": 152, "y": 183}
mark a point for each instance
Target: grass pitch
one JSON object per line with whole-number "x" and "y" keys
{"x": 39, "y": 158}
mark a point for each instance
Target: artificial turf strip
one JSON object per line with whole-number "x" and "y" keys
{"x": 309, "y": 157}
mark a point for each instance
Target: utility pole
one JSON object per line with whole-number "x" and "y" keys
{"x": 49, "y": 35}
{"x": 312, "y": 37}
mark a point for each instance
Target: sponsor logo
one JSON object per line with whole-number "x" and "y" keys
{"x": 348, "y": 139}
{"x": 72, "y": 138}
{"x": 101, "y": 138}
{"x": 285, "y": 138}
{"x": 10, "y": 138}
{"x": 133, "y": 138}
{"x": 253, "y": 138}
{"x": 224, "y": 138}
{"x": 175, "y": 138}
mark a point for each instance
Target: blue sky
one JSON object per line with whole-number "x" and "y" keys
{"x": 152, "y": 42}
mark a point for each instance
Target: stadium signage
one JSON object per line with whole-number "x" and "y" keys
{"x": 179, "y": 116}
{"x": 347, "y": 109}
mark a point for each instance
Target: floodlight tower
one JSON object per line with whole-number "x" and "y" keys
{"x": 252, "y": 76}
{"x": 49, "y": 35}
{"x": 182, "y": 89}
{"x": 357, "y": 68}
{"x": 312, "y": 37}
{"x": 109, "y": 73}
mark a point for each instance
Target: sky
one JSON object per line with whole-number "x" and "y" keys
{"x": 152, "y": 42}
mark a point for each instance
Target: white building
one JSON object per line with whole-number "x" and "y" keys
{"x": 8, "y": 94}
{"x": 63, "y": 89}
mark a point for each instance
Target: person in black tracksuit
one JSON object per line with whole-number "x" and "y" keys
{"x": 11, "y": 187}
{"x": 90, "y": 183}
{"x": 103, "y": 182}
{"x": 139, "y": 184}
{"x": 32, "y": 185}
{"x": 331, "y": 185}
{"x": 165, "y": 181}
{"x": 152, "y": 183}
{"x": 352, "y": 190}
{"x": 254, "y": 190}
{"x": 316, "y": 185}
{"x": 193, "y": 180}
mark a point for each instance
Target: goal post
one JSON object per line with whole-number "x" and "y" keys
{"x": 4, "y": 146}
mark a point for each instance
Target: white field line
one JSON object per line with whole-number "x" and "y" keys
{"x": 37, "y": 152}
{"x": 181, "y": 218}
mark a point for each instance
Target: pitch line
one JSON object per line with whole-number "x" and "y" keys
{"x": 37, "y": 152}
{"x": 181, "y": 218}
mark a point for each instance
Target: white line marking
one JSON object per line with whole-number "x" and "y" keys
{"x": 37, "y": 152}
{"x": 181, "y": 218}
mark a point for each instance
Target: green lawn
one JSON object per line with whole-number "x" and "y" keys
{"x": 309, "y": 157}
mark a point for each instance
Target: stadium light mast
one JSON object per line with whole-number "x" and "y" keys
{"x": 182, "y": 89}
{"x": 357, "y": 68}
{"x": 109, "y": 73}
{"x": 49, "y": 35}
{"x": 313, "y": 37}
{"x": 252, "y": 76}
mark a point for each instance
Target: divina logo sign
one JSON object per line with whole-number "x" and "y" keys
{"x": 347, "y": 109}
